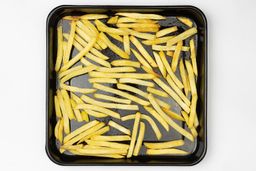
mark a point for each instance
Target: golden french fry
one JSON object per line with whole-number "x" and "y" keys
{"x": 193, "y": 56}
{"x": 127, "y": 44}
{"x": 56, "y": 129}
{"x": 93, "y": 16}
{"x": 57, "y": 107}
{"x": 138, "y": 25}
{"x": 62, "y": 74}
{"x": 119, "y": 127}
{"x": 186, "y": 21}
{"x": 102, "y": 27}
{"x": 77, "y": 89}
{"x": 169, "y": 48}
{"x": 67, "y": 104}
{"x": 98, "y": 60}
{"x": 143, "y": 51}
{"x": 171, "y": 151}
{"x": 113, "y": 20}
{"x": 134, "y": 134}
{"x": 85, "y": 116}
{"x": 160, "y": 64}
{"x": 183, "y": 74}
{"x": 64, "y": 112}
{"x": 115, "y": 36}
{"x": 173, "y": 114}
{"x": 76, "y": 111}
{"x": 134, "y": 20}
{"x": 140, "y": 35}
{"x": 192, "y": 111}
{"x": 191, "y": 78}
{"x": 169, "y": 53}
{"x": 196, "y": 122}
{"x": 121, "y": 75}
{"x": 136, "y": 81}
{"x": 157, "y": 40}
{"x": 141, "y": 59}
{"x": 86, "y": 62}
{"x": 111, "y": 138}
{"x": 60, "y": 131}
{"x": 123, "y": 62}
{"x": 164, "y": 145}
{"x": 182, "y": 36}
{"x": 150, "y": 71}
{"x": 107, "y": 144}
{"x": 141, "y": 16}
{"x": 139, "y": 139}
{"x": 113, "y": 99}
{"x": 128, "y": 117}
{"x": 194, "y": 132}
{"x": 60, "y": 49}
{"x": 90, "y": 26}
{"x": 95, "y": 114}
{"x": 185, "y": 116}
{"x": 157, "y": 92}
{"x": 102, "y": 80}
{"x": 86, "y": 29}
{"x": 166, "y": 31}
{"x": 70, "y": 42}
{"x": 116, "y": 69}
{"x": 176, "y": 55}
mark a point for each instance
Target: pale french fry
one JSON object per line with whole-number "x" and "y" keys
{"x": 60, "y": 49}
{"x": 183, "y": 74}
{"x": 127, "y": 44}
{"x": 93, "y": 16}
{"x": 77, "y": 89}
{"x": 141, "y": 27}
{"x": 191, "y": 77}
{"x": 56, "y": 129}
{"x": 113, "y": 47}
{"x": 163, "y": 104}
{"x": 141, "y": 16}
{"x": 113, "y": 99}
{"x": 150, "y": 71}
{"x": 182, "y": 36}
{"x": 85, "y": 116}
{"x": 146, "y": 36}
{"x": 76, "y": 98}
{"x": 132, "y": 89}
{"x": 173, "y": 114}
{"x": 186, "y": 21}
{"x": 86, "y": 62}
{"x": 171, "y": 151}
{"x": 134, "y": 134}
{"x": 139, "y": 139}
{"x": 192, "y": 111}
{"x": 185, "y": 116}
{"x": 123, "y": 62}
{"x": 169, "y": 53}
{"x": 169, "y": 70}
{"x": 64, "y": 45}
{"x": 169, "y": 120}
{"x": 107, "y": 144}
{"x": 102, "y": 80}
{"x": 111, "y": 138}
{"x": 177, "y": 90}
{"x": 67, "y": 104}
{"x": 119, "y": 127}
{"x": 193, "y": 56}
{"x": 70, "y": 42}
{"x": 102, "y": 27}
{"x": 128, "y": 117}
{"x": 95, "y": 114}
{"x": 98, "y": 60}
{"x": 99, "y": 109}
{"x": 136, "y": 81}
{"x": 194, "y": 132}
{"x": 176, "y": 56}
{"x": 64, "y": 112}
{"x": 81, "y": 71}
{"x": 57, "y": 107}
{"x": 157, "y": 92}
{"x": 62, "y": 74}
{"x": 86, "y": 29}
{"x": 157, "y": 40}
{"x": 134, "y": 20}
{"x": 160, "y": 64}
{"x": 60, "y": 131}
{"x": 141, "y": 59}
{"x": 76, "y": 111}
{"x": 163, "y": 145}
{"x": 143, "y": 51}
{"x": 121, "y": 75}
{"x": 169, "y": 48}
{"x": 166, "y": 31}
{"x": 90, "y": 26}
{"x": 90, "y": 100}
{"x": 115, "y": 36}
{"x": 113, "y": 20}
{"x": 116, "y": 69}
{"x": 98, "y": 132}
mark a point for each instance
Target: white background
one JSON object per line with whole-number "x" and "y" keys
{"x": 231, "y": 98}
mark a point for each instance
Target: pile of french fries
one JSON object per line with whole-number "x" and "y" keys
{"x": 161, "y": 79}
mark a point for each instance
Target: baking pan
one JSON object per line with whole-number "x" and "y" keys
{"x": 197, "y": 149}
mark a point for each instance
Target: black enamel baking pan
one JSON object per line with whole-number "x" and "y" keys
{"x": 197, "y": 149}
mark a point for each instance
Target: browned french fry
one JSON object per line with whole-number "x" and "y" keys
{"x": 171, "y": 151}
{"x": 136, "y": 81}
{"x": 183, "y": 74}
{"x": 127, "y": 44}
{"x": 113, "y": 99}
{"x": 138, "y": 25}
{"x": 163, "y": 145}
{"x": 160, "y": 64}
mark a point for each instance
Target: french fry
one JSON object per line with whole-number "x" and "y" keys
{"x": 182, "y": 36}
{"x": 127, "y": 44}
{"x": 119, "y": 127}
{"x": 85, "y": 116}
{"x": 169, "y": 48}
{"x": 194, "y": 132}
{"x": 90, "y": 26}
{"x": 86, "y": 29}
{"x": 176, "y": 55}
{"x": 90, "y": 100}
{"x": 102, "y": 80}
{"x": 139, "y": 139}
{"x": 168, "y": 119}
{"x": 183, "y": 74}
{"x": 99, "y": 109}
{"x": 131, "y": 89}
{"x": 86, "y": 37}
{"x": 169, "y": 53}
{"x": 186, "y": 21}
{"x": 193, "y": 56}
{"x": 93, "y": 16}
{"x": 100, "y": 131}
{"x": 140, "y": 35}
{"x": 121, "y": 75}
{"x": 150, "y": 71}
{"x": 134, "y": 134}
{"x": 60, "y": 49}
{"x": 163, "y": 145}
{"x": 64, "y": 44}
{"x": 70, "y": 42}
{"x": 157, "y": 40}
{"x": 141, "y": 16}
{"x": 116, "y": 69}
{"x": 64, "y": 112}
{"x": 143, "y": 51}
{"x": 76, "y": 112}
{"x": 123, "y": 62}
{"x": 185, "y": 116}
{"x": 107, "y": 144}
{"x": 111, "y": 138}
{"x": 171, "y": 151}
{"x": 98, "y": 60}
{"x": 136, "y": 81}
{"x": 173, "y": 114}
{"x": 60, "y": 131}
{"x": 191, "y": 78}
{"x": 192, "y": 111}
{"x": 196, "y": 122}
{"x": 138, "y": 25}
{"x": 57, "y": 107}
{"x": 113, "y": 99}
{"x": 77, "y": 89}
{"x": 169, "y": 70}
{"x": 56, "y": 129}
{"x": 141, "y": 59}
{"x": 95, "y": 114}
{"x": 166, "y": 31}
{"x": 62, "y": 74}
{"x": 113, "y": 47}
{"x": 67, "y": 104}
{"x": 157, "y": 92}
{"x": 102, "y": 27}
{"x": 160, "y": 64}
{"x": 115, "y": 36}
{"x": 86, "y": 62}
{"x": 113, "y": 20}
{"x": 134, "y": 20}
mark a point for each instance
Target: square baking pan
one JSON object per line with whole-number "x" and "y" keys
{"x": 197, "y": 149}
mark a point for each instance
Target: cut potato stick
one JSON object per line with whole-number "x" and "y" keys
{"x": 185, "y": 116}
{"x": 95, "y": 114}
{"x": 115, "y": 36}
{"x": 113, "y": 99}
{"x": 141, "y": 16}
{"x": 76, "y": 98}
{"x": 93, "y": 16}
{"x": 60, "y": 131}
{"x": 150, "y": 71}
{"x": 62, "y": 74}
{"x": 138, "y": 25}
{"x": 99, "y": 109}
{"x": 60, "y": 49}
{"x": 64, "y": 45}
{"x": 157, "y": 40}
{"x": 160, "y": 64}
{"x": 139, "y": 139}
{"x": 81, "y": 71}
{"x": 182, "y": 36}
{"x": 86, "y": 62}
{"x": 90, "y": 100}
{"x": 116, "y": 69}
{"x": 191, "y": 78}
{"x": 176, "y": 56}
{"x": 184, "y": 77}
{"x": 86, "y": 29}
{"x": 168, "y": 119}
{"x": 193, "y": 55}
{"x": 194, "y": 132}
{"x": 70, "y": 42}
{"x": 169, "y": 70}
{"x": 157, "y": 92}
{"x": 107, "y": 144}
{"x": 166, "y": 31}
{"x": 85, "y": 116}
{"x": 143, "y": 51}
{"x": 111, "y": 138}
{"x": 102, "y": 27}
{"x": 113, "y": 20}
{"x": 121, "y": 75}
{"x": 169, "y": 53}
{"x": 113, "y": 47}
{"x": 102, "y": 80}
{"x": 173, "y": 114}
{"x": 186, "y": 21}
{"x": 57, "y": 107}
{"x": 136, "y": 81}
{"x": 77, "y": 89}
{"x": 56, "y": 129}
{"x": 119, "y": 127}
{"x": 80, "y": 130}
{"x": 169, "y": 48}
{"x": 177, "y": 90}
{"x": 123, "y": 62}
{"x": 134, "y": 134}
{"x": 90, "y": 26}
{"x": 76, "y": 111}
{"x": 99, "y": 132}
{"x": 64, "y": 113}
{"x": 134, "y": 20}
{"x": 98, "y": 60}
{"x": 67, "y": 104}
{"x": 171, "y": 151}
{"x": 127, "y": 44}
{"x": 131, "y": 89}
{"x": 141, "y": 59}
{"x": 163, "y": 145}
{"x": 192, "y": 111}
{"x": 146, "y": 36}
{"x": 196, "y": 122}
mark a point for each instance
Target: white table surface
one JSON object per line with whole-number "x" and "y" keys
{"x": 232, "y": 84}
